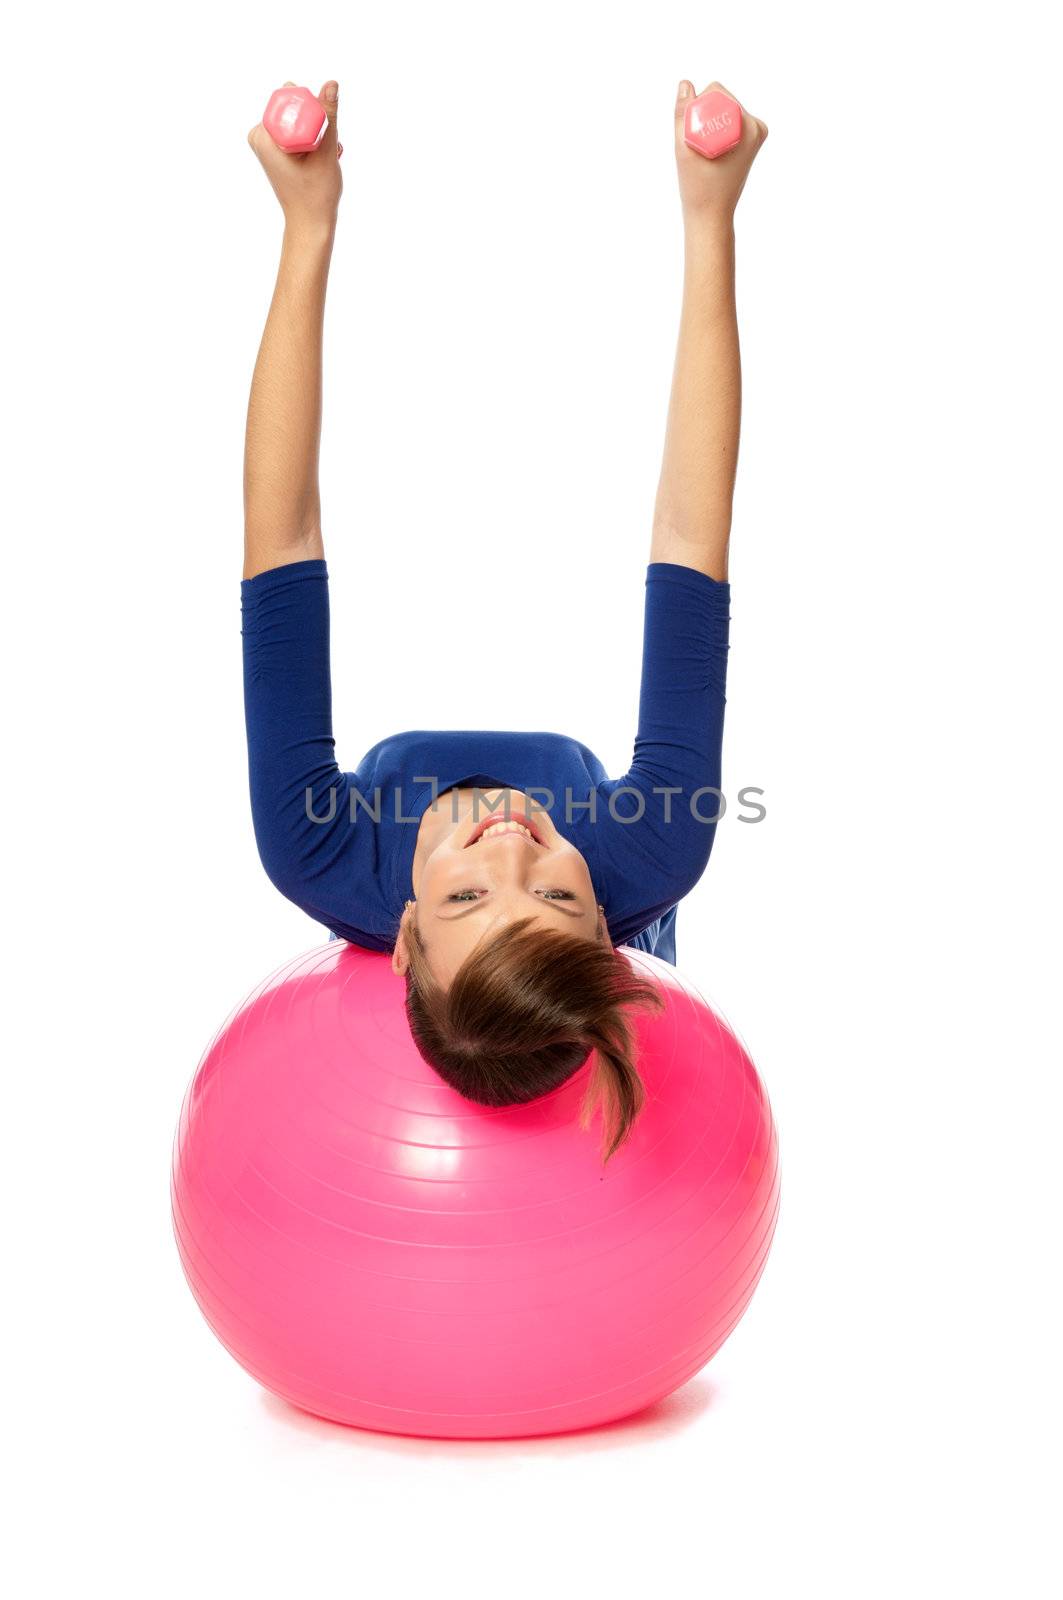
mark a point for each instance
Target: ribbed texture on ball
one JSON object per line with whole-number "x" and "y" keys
{"x": 380, "y": 1251}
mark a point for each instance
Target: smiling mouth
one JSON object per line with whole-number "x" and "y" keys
{"x": 515, "y": 824}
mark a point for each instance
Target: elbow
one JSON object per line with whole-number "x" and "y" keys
{"x": 697, "y": 849}
{"x": 297, "y": 847}
{"x": 279, "y": 851}
{"x": 280, "y": 868}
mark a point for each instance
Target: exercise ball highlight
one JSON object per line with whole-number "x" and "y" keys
{"x": 379, "y": 1251}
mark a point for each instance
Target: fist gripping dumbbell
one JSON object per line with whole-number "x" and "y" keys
{"x": 712, "y": 124}
{"x": 295, "y": 119}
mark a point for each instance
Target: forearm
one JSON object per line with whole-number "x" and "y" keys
{"x": 282, "y": 504}
{"x": 692, "y": 516}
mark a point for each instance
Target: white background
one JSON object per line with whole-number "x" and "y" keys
{"x": 499, "y": 341}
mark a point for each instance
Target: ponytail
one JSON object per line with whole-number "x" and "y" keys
{"x": 523, "y": 1013}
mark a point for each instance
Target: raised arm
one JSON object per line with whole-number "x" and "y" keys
{"x": 282, "y": 504}
{"x": 692, "y": 517}
{"x": 298, "y": 793}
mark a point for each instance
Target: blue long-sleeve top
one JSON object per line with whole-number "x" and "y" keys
{"x": 645, "y": 836}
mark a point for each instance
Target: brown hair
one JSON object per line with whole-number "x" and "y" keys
{"x": 522, "y": 1014}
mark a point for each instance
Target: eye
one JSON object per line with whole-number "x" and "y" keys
{"x": 465, "y": 896}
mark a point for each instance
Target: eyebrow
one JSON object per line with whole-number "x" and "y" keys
{"x": 455, "y": 916}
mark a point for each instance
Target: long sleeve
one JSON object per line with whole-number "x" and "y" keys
{"x": 654, "y": 843}
{"x": 299, "y": 797}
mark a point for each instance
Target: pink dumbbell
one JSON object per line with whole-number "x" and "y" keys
{"x": 713, "y": 124}
{"x": 295, "y": 119}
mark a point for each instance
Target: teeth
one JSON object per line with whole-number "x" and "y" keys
{"x": 507, "y": 827}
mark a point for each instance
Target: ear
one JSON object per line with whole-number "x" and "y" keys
{"x": 400, "y": 956}
{"x": 603, "y": 926}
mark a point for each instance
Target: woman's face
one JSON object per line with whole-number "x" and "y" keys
{"x": 474, "y": 872}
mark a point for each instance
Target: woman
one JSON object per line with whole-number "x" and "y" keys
{"x": 500, "y": 870}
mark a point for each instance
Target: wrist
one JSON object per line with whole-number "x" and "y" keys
{"x": 309, "y": 235}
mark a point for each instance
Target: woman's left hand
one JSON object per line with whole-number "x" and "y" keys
{"x": 711, "y": 189}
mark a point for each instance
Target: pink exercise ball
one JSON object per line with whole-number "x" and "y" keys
{"x": 384, "y": 1253}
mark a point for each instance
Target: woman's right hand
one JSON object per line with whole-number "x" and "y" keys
{"x": 308, "y": 186}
